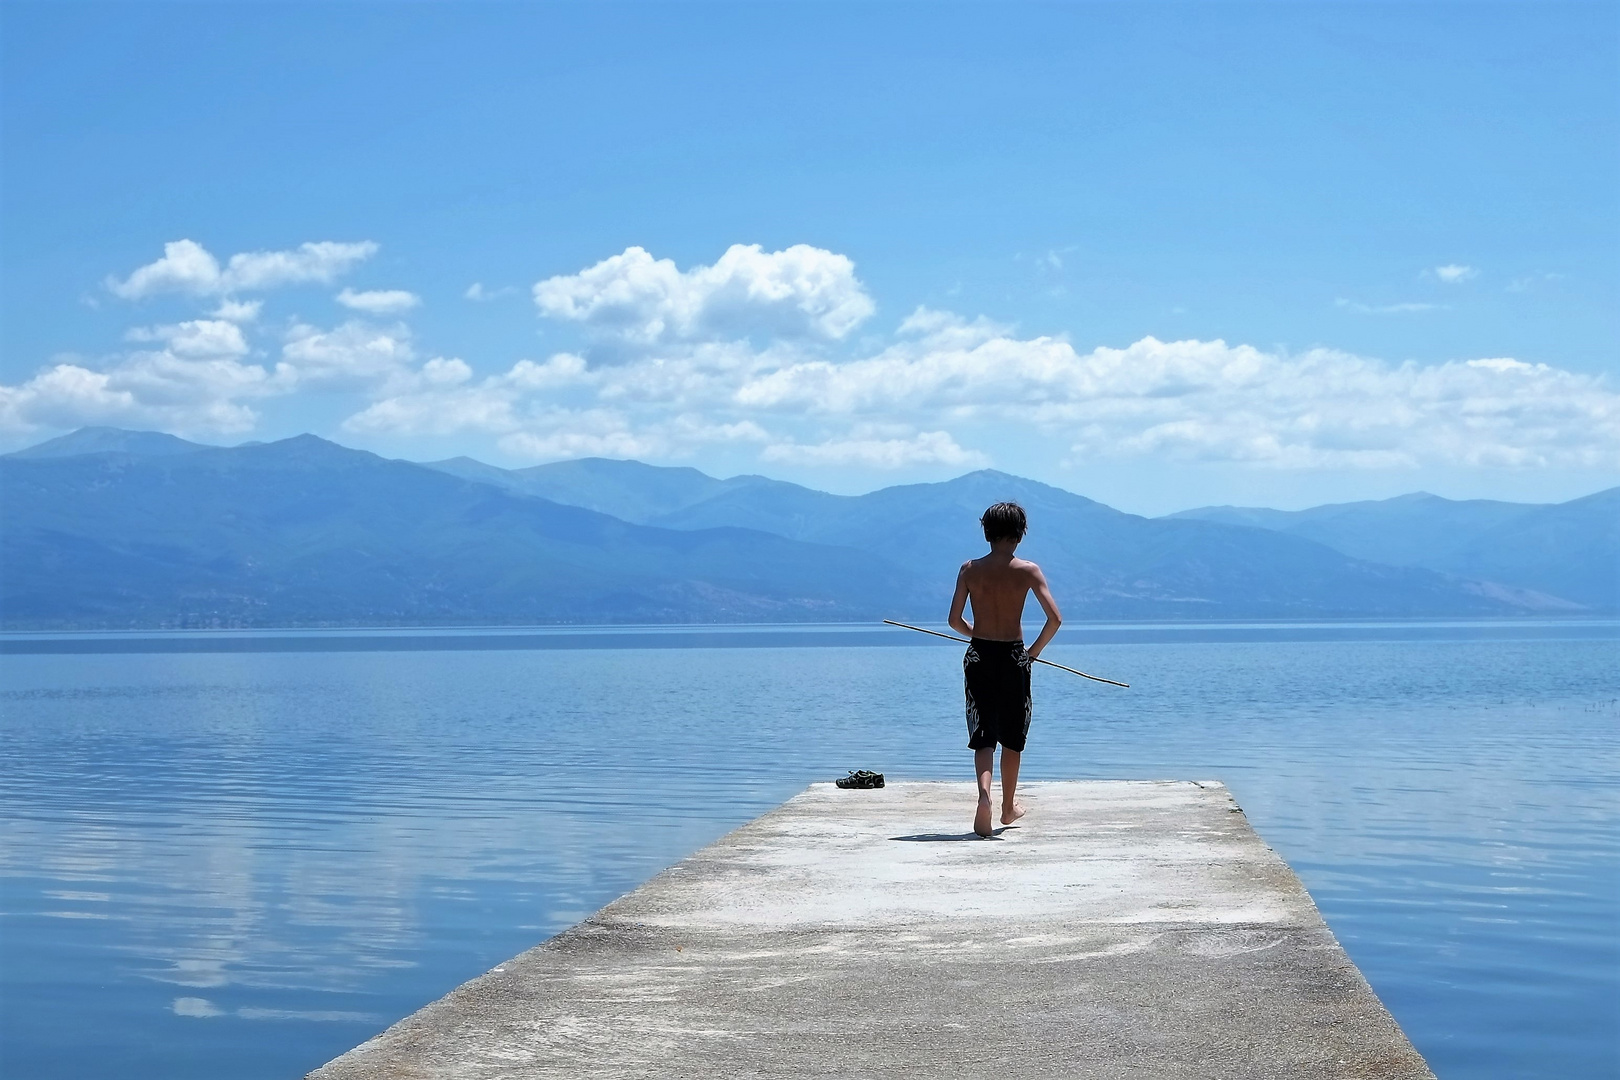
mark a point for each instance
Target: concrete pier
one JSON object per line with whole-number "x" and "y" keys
{"x": 1122, "y": 929}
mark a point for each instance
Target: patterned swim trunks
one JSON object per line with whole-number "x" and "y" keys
{"x": 996, "y": 677}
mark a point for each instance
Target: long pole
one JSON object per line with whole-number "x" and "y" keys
{"x": 1037, "y": 659}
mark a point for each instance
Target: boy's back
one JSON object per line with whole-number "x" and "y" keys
{"x": 997, "y": 585}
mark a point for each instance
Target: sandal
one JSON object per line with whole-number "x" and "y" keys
{"x": 861, "y": 778}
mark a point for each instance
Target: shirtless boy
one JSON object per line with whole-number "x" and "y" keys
{"x": 996, "y": 667}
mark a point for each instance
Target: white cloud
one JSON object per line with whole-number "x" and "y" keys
{"x": 1409, "y": 308}
{"x": 565, "y": 433}
{"x": 148, "y": 390}
{"x": 379, "y": 301}
{"x": 591, "y": 433}
{"x": 741, "y": 353}
{"x": 476, "y": 291}
{"x": 238, "y": 311}
{"x": 197, "y": 379}
{"x": 946, "y": 328}
{"x": 445, "y": 372}
{"x": 909, "y": 404}
{"x": 442, "y": 399}
{"x": 311, "y": 262}
{"x": 528, "y": 407}
{"x": 196, "y": 339}
{"x": 924, "y": 448}
{"x": 563, "y": 369}
{"x": 799, "y": 292}
{"x": 1330, "y": 409}
{"x": 353, "y": 353}
{"x": 187, "y": 267}
{"x": 1455, "y": 273}
{"x": 1207, "y": 400}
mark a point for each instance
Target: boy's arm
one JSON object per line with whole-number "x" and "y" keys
{"x": 959, "y": 602}
{"x": 1054, "y": 618}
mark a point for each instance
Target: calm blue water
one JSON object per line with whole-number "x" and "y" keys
{"x": 242, "y": 863}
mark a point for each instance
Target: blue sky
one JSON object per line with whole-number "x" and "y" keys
{"x": 1163, "y": 255}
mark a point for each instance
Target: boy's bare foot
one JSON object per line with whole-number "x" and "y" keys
{"x": 981, "y": 820}
{"x": 1010, "y": 814}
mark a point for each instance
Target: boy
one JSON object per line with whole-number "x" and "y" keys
{"x": 995, "y": 670}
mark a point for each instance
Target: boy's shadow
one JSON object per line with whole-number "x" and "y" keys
{"x": 946, "y": 838}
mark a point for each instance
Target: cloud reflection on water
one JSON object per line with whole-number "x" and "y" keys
{"x": 328, "y": 841}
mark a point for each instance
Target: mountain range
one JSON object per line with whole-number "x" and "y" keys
{"x": 107, "y": 528}
{"x": 1569, "y": 549}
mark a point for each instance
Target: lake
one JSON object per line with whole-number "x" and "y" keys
{"x": 241, "y": 854}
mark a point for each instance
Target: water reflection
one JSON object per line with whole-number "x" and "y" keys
{"x": 244, "y": 863}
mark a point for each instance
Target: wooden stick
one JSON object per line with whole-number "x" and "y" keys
{"x": 1038, "y": 660}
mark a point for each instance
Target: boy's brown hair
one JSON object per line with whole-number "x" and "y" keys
{"x": 1005, "y": 520}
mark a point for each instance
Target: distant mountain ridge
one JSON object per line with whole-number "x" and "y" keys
{"x": 693, "y": 500}
{"x": 116, "y": 530}
{"x": 109, "y": 440}
{"x": 630, "y": 490}
{"x": 305, "y": 532}
{"x": 1570, "y": 549}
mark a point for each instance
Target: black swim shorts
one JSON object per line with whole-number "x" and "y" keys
{"x": 996, "y": 676}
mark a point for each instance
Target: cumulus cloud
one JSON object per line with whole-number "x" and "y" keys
{"x": 204, "y": 375}
{"x": 353, "y": 353}
{"x": 924, "y": 448}
{"x": 529, "y": 408}
{"x": 909, "y": 403}
{"x": 1207, "y": 400}
{"x": 311, "y": 262}
{"x": 196, "y": 339}
{"x": 1455, "y": 273}
{"x": 800, "y": 292}
{"x": 188, "y": 267}
{"x": 238, "y": 311}
{"x": 379, "y": 301}
{"x": 194, "y": 380}
{"x": 185, "y": 267}
{"x": 590, "y": 433}
{"x": 745, "y": 353}
{"x": 476, "y": 291}
{"x": 198, "y": 377}
{"x": 150, "y": 390}
{"x": 566, "y": 433}
{"x": 442, "y": 399}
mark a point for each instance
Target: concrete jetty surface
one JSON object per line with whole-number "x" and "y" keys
{"x": 1122, "y": 929}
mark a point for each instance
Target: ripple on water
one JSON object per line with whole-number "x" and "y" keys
{"x": 245, "y": 863}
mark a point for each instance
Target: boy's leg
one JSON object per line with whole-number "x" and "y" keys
{"x": 984, "y": 764}
{"x": 1010, "y": 810}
